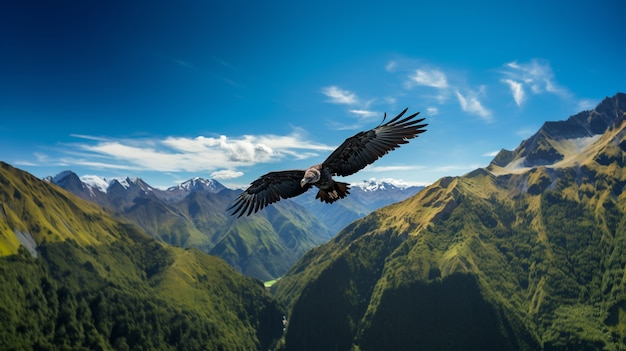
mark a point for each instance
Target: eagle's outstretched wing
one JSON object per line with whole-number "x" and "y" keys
{"x": 364, "y": 148}
{"x": 268, "y": 189}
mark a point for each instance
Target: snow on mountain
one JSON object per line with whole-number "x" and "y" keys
{"x": 198, "y": 184}
{"x": 374, "y": 184}
{"x": 103, "y": 184}
{"x": 95, "y": 182}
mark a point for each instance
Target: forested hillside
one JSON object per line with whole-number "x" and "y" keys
{"x": 509, "y": 257}
{"x": 74, "y": 277}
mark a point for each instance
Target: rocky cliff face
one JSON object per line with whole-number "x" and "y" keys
{"x": 542, "y": 148}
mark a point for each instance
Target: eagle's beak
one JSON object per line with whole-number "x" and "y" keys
{"x": 303, "y": 182}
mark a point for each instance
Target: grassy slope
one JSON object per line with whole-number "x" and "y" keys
{"x": 263, "y": 245}
{"x": 539, "y": 257}
{"x": 98, "y": 283}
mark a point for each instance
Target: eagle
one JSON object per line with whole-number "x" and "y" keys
{"x": 351, "y": 156}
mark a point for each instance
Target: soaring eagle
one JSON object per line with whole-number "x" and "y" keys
{"x": 353, "y": 155}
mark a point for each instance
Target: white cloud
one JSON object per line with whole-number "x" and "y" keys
{"x": 390, "y": 100}
{"x": 221, "y": 155}
{"x": 432, "y": 110}
{"x": 391, "y": 66}
{"x": 491, "y": 153}
{"x": 587, "y": 104}
{"x": 471, "y": 104}
{"x": 226, "y": 174}
{"x": 339, "y": 96}
{"x": 431, "y": 78}
{"x": 536, "y": 75}
{"x": 365, "y": 113}
{"x": 391, "y": 168}
{"x": 25, "y": 163}
{"x": 453, "y": 168}
{"x": 517, "y": 90}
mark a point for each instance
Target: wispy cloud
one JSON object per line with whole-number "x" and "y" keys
{"x": 446, "y": 85}
{"x": 226, "y": 174}
{"x": 536, "y": 76}
{"x": 453, "y": 168}
{"x": 432, "y": 110}
{"x": 339, "y": 96}
{"x": 390, "y": 100}
{"x": 220, "y": 155}
{"x": 25, "y": 163}
{"x": 517, "y": 90}
{"x": 471, "y": 104}
{"x": 392, "y": 168}
{"x": 391, "y": 66}
{"x": 363, "y": 119}
{"x": 437, "y": 86}
{"x": 587, "y": 104}
{"x": 366, "y": 113}
{"x": 491, "y": 153}
{"x": 431, "y": 78}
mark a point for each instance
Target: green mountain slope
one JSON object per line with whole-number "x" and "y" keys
{"x": 263, "y": 245}
{"x": 267, "y": 244}
{"x": 200, "y": 220}
{"x": 510, "y": 257}
{"x": 74, "y": 277}
{"x": 364, "y": 198}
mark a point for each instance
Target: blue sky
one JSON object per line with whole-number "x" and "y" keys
{"x": 230, "y": 90}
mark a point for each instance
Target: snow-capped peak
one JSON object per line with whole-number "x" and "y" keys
{"x": 374, "y": 184}
{"x": 198, "y": 183}
{"x": 103, "y": 184}
{"x": 126, "y": 182}
{"x": 95, "y": 182}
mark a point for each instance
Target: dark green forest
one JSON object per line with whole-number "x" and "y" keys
{"x": 59, "y": 301}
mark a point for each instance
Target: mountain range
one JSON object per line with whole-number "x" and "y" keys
{"x": 75, "y": 277}
{"x": 527, "y": 253}
{"x": 193, "y": 214}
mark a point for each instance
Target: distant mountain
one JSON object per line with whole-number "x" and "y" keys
{"x": 88, "y": 191}
{"x": 193, "y": 214}
{"x": 379, "y": 193}
{"x": 72, "y": 276}
{"x": 528, "y": 253}
{"x": 365, "y": 197}
{"x": 123, "y": 190}
{"x": 197, "y": 184}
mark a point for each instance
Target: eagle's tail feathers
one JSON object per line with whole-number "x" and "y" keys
{"x": 340, "y": 190}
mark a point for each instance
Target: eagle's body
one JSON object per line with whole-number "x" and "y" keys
{"x": 351, "y": 156}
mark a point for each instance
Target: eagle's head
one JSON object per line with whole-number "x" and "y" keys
{"x": 311, "y": 176}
